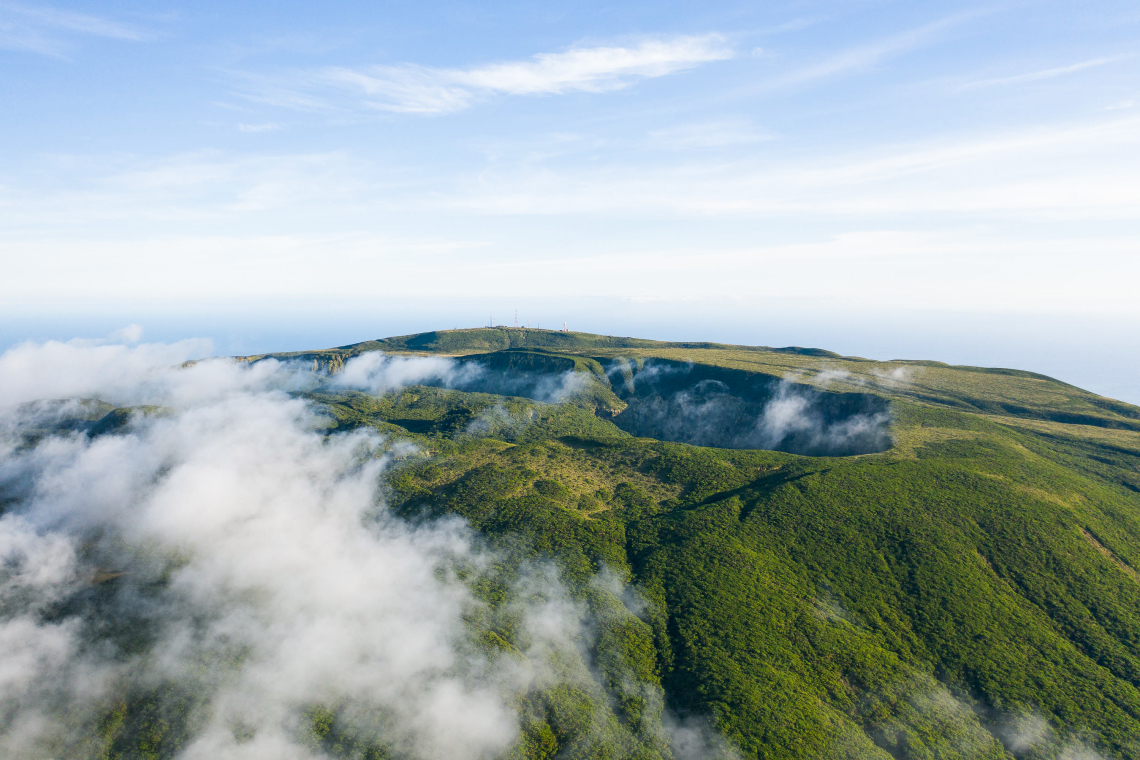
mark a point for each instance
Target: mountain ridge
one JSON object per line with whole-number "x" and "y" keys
{"x": 1076, "y": 406}
{"x": 815, "y": 556}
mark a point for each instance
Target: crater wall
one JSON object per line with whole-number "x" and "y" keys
{"x": 715, "y": 406}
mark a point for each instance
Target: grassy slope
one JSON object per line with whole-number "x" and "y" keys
{"x": 916, "y": 603}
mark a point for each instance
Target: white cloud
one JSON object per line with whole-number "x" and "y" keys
{"x": 595, "y": 69}
{"x": 406, "y": 89}
{"x": 411, "y": 88}
{"x": 867, "y": 56}
{"x": 794, "y": 25}
{"x": 1074, "y": 171}
{"x": 237, "y": 266}
{"x": 257, "y": 568}
{"x": 218, "y": 225}
{"x": 44, "y": 30}
{"x": 129, "y": 335}
{"x": 184, "y": 187}
{"x": 1035, "y": 76}
{"x": 268, "y": 127}
{"x": 720, "y": 134}
{"x": 377, "y": 373}
{"x": 1070, "y": 171}
{"x": 54, "y": 369}
{"x": 924, "y": 268}
{"x": 288, "y": 558}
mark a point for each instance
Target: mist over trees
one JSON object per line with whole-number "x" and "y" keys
{"x": 371, "y": 555}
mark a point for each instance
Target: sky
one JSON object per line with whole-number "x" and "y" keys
{"x": 947, "y": 181}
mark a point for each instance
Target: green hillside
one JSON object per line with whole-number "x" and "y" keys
{"x": 916, "y": 602}
{"x": 943, "y": 565}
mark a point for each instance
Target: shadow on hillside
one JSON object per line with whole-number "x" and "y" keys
{"x": 696, "y": 404}
{"x": 725, "y": 408}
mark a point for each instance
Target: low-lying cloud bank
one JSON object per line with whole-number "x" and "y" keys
{"x": 377, "y": 372}
{"x": 670, "y": 401}
{"x": 230, "y": 551}
{"x": 677, "y": 402}
{"x": 224, "y": 570}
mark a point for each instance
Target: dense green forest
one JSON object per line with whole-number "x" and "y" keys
{"x": 942, "y": 564}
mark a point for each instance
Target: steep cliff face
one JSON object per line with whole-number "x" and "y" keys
{"x": 328, "y": 362}
{"x": 330, "y": 365}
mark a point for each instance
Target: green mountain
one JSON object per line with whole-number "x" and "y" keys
{"x": 822, "y": 556}
{"x": 963, "y": 587}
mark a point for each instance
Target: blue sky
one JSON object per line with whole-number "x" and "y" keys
{"x": 945, "y": 180}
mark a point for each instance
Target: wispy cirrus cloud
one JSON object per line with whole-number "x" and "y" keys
{"x": 870, "y": 55}
{"x": 1034, "y": 76}
{"x": 707, "y": 135}
{"x": 47, "y": 30}
{"x": 266, "y": 127}
{"x": 411, "y": 88}
{"x": 1075, "y": 171}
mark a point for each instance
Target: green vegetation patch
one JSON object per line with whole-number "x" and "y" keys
{"x": 970, "y": 592}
